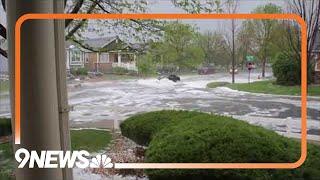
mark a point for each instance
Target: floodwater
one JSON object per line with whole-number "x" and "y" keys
{"x": 105, "y": 104}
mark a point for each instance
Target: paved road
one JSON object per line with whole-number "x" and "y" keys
{"x": 102, "y": 102}
{"x": 105, "y": 104}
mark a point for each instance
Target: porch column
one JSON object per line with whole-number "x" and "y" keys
{"x": 68, "y": 60}
{"x": 40, "y": 114}
{"x": 98, "y": 60}
{"x": 119, "y": 59}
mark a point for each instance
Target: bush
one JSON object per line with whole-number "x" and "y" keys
{"x": 5, "y": 127}
{"x": 183, "y": 136}
{"x": 145, "y": 65}
{"x": 141, "y": 128}
{"x": 79, "y": 72}
{"x": 120, "y": 70}
{"x": 287, "y": 70}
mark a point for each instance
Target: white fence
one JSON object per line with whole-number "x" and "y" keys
{"x": 130, "y": 66}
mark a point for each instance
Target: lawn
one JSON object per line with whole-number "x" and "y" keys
{"x": 90, "y": 140}
{"x": 268, "y": 87}
{"x": 4, "y": 86}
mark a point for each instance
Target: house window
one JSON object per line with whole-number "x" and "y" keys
{"x": 104, "y": 57}
{"x": 75, "y": 56}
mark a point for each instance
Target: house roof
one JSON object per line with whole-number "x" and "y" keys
{"x": 107, "y": 44}
{"x": 100, "y": 42}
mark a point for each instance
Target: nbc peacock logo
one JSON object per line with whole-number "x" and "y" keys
{"x": 101, "y": 161}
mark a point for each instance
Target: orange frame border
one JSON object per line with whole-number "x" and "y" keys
{"x": 295, "y": 17}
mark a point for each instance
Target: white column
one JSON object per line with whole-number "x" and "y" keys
{"x": 98, "y": 60}
{"x": 119, "y": 59}
{"x": 68, "y": 60}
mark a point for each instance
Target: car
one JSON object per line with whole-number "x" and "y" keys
{"x": 174, "y": 77}
{"x": 235, "y": 71}
{"x": 206, "y": 70}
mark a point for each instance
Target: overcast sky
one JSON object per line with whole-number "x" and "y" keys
{"x": 165, "y": 6}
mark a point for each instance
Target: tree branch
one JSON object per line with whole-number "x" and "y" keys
{"x": 3, "y": 2}
{"x": 79, "y": 25}
{"x": 3, "y": 31}
{"x": 75, "y": 10}
{"x": 3, "y": 53}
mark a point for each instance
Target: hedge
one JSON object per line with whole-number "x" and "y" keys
{"x": 140, "y": 128}
{"x": 182, "y": 136}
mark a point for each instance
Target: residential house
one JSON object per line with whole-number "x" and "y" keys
{"x": 106, "y": 53}
{"x": 316, "y": 52}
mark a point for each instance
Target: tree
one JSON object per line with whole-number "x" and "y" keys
{"x": 309, "y": 10}
{"x": 231, "y": 7}
{"x": 263, "y": 32}
{"x": 76, "y": 28}
{"x": 178, "y": 48}
{"x": 199, "y": 6}
{"x": 215, "y": 48}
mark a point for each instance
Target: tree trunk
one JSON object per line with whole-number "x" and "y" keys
{"x": 233, "y": 52}
{"x": 40, "y": 124}
{"x": 263, "y": 68}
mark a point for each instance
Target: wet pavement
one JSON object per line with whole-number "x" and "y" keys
{"x": 101, "y": 103}
{"x": 105, "y": 104}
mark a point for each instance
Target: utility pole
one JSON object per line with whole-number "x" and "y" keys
{"x": 233, "y": 51}
{"x": 43, "y": 112}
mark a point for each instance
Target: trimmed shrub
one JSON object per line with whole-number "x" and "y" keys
{"x": 141, "y": 128}
{"x": 287, "y": 70}
{"x": 184, "y": 136}
{"x": 5, "y": 127}
{"x": 79, "y": 72}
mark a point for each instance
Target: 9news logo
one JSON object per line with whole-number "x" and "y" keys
{"x": 61, "y": 159}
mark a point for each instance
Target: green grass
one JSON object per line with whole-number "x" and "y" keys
{"x": 85, "y": 139}
{"x": 90, "y": 140}
{"x": 269, "y": 87}
{"x": 4, "y": 86}
{"x": 217, "y": 84}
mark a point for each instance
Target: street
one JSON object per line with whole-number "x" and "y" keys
{"x": 105, "y": 104}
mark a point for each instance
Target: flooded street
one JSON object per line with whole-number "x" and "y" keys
{"x": 105, "y": 104}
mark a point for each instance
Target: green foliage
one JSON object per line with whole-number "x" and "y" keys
{"x": 120, "y": 70}
{"x": 217, "y": 84}
{"x": 262, "y": 37}
{"x": 5, "y": 127}
{"x": 141, "y": 128}
{"x": 145, "y": 65}
{"x": 178, "y": 48}
{"x": 199, "y": 6}
{"x": 79, "y": 72}
{"x": 90, "y": 139}
{"x": 268, "y": 87}
{"x": 215, "y": 48}
{"x": 184, "y": 136}
{"x": 287, "y": 70}
{"x": 4, "y": 86}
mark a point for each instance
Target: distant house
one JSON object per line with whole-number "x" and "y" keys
{"x": 316, "y": 52}
{"x": 107, "y": 53}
